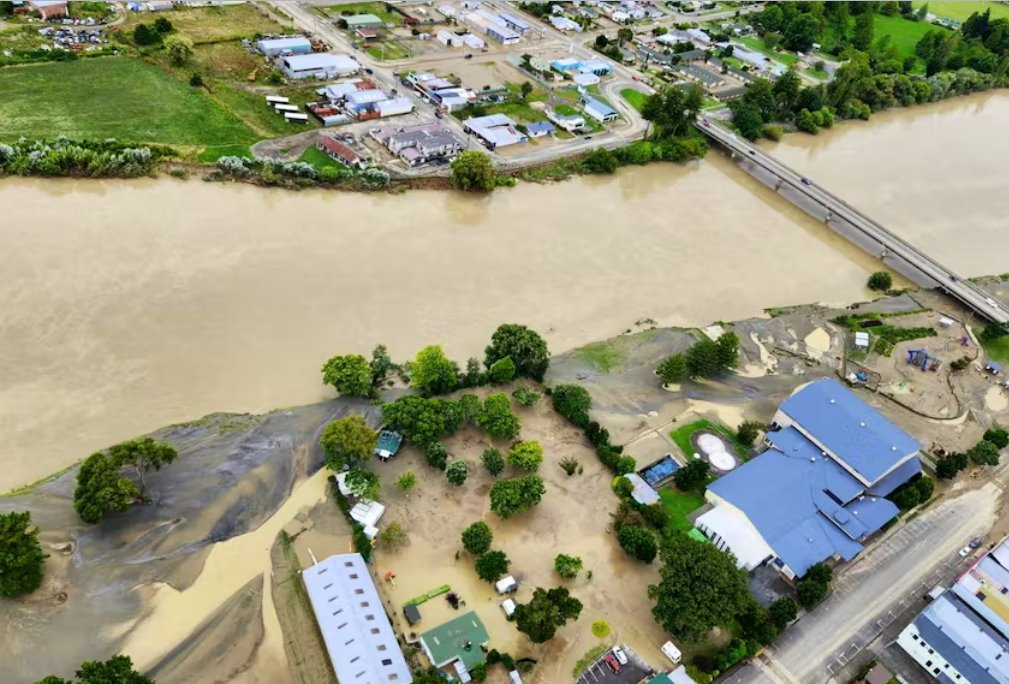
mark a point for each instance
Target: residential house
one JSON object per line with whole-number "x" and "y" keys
{"x": 292, "y": 45}
{"x": 456, "y": 641}
{"x": 495, "y": 130}
{"x": 420, "y": 143}
{"x": 818, "y": 491}
{"x": 318, "y": 65}
{"x": 562, "y": 23}
{"x": 598, "y": 110}
{"x": 585, "y": 79}
{"x": 356, "y": 21}
{"x": 570, "y": 123}
{"x": 355, "y": 628}
{"x": 340, "y": 151}
{"x": 540, "y": 129}
{"x": 367, "y": 34}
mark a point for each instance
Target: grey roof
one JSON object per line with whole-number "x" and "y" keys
{"x": 964, "y": 641}
{"x": 358, "y": 636}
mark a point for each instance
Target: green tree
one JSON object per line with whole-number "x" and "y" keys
{"x": 492, "y": 565}
{"x": 381, "y": 363}
{"x": 525, "y": 396}
{"x": 746, "y": 117}
{"x": 527, "y": 89}
{"x": 143, "y": 34}
{"x": 477, "y": 538}
{"x": 163, "y": 26}
{"x": 748, "y": 431}
{"x": 503, "y": 370}
{"x": 814, "y": 585}
{"x": 526, "y": 455}
{"x": 567, "y": 566}
{"x": 783, "y": 611}
{"x": 672, "y": 111}
{"x": 143, "y": 454}
{"x": 699, "y": 588}
{"x": 406, "y": 481}
{"x": 546, "y": 612}
{"x": 496, "y": 418}
{"x": 349, "y": 374}
{"x": 436, "y": 455}
{"x": 880, "y": 281}
{"x": 420, "y": 420}
{"x": 101, "y": 489}
{"x": 432, "y": 372}
{"x": 864, "y": 25}
{"x": 997, "y": 436}
{"x": 573, "y": 402}
{"x": 21, "y": 555}
{"x": 624, "y": 35}
{"x": 704, "y": 359}
{"x": 600, "y": 160}
{"x": 601, "y": 42}
{"x": 511, "y": 497}
{"x": 456, "y": 472}
{"x": 623, "y": 488}
{"x": 949, "y": 465}
{"x": 524, "y": 346}
{"x": 984, "y": 453}
{"x": 728, "y": 350}
{"x": 638, "y": 542}
{"x": 393, "y": 536}
{"x": 694, "y": 475}
{"x": 673, "y": 370}
{"x": 801, "y": 32}
{"x": 195, "y": 80}
{"x": 806, "y": 122}
{"x": 473, "y": 171}
{"x": 179, "y": 49}
{"x": 348, "y": 440}
{"x": 363, "y": 483}
{"x": 786, "y": 93}
{"x": 116, "y": 670}
{"x": 493, "y": 461}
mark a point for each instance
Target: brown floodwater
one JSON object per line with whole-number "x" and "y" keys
{"x": 125, "y": 306}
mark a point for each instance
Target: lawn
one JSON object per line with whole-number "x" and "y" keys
{"x": 903, "y": 34}
{"x": 537, "y": 94}
{"x": 319, "y": 159}
{"x": 601, "y": 356}
{"x": 211, "y": 24}
{"x": 635, "y": 98}
{"x": 962, "y": 10}
{"x": 566, "y": 110}
{"x": 679, "y": 505}
{"x": 997, "y": 350}
{"x": 112, "y": 97}
{"x": 388, "y": 50}
{"x": 376, "y": 8}
{"x": 520, "y": 112}
{"x": 757, "y": 43}
{"x": 681, "y": 436}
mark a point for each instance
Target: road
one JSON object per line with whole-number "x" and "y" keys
{"x": 874, "y": 591}
{"x": 904, "y": 257}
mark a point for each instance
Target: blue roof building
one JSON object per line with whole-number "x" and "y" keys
{"x": 598, "y": 110}
{"x": 538, "y": 129}
{"x": 514, "y": 23}
{"x": 817, "y": 492}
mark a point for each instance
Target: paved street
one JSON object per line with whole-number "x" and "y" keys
{"x": 875, "y": 591}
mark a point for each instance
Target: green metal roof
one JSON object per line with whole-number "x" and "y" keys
{"x": 447, "y": 642}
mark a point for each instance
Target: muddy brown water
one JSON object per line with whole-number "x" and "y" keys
{"x": 125, "y": 306}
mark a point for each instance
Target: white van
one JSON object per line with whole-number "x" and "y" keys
{"x": 508, "y": 606}
{"x": 671, "y": 652}
{"x": 507, "y": 585}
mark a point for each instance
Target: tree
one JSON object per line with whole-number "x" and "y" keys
{"x": 496, "y": 418}
{"x": 997, "y": 436}
{"x": 984, "y": 453}
{"x": 573, "y": 402}
{"x": 143, "y": 34}
{"x": 704, "y": 359}
{"x": 432, "y": 372}
{"x": 503, "y": 370}
{"x": 511, "y": 497}
{"x": 492, "y": 565}
{"x": 880, "y": 281}
{"x": 814, "y": 585}
{"x": 348, "y": 440}
{"x": 806, "y": 122}
{"x": 699, "y": 588}
{"x": 624, "y": 35}
{"x": 526, "y": 455}
{"x": 638, "y": 542}
{"x": 394, "y": 536}
{"x": 601, "y": 42}
{"x": 179, "y": 49}
{"x": 363, "y": 483}
{"x": 457, "y": 472}
{"x": 567, "y": 566}
{"x": 116, "y": 670}
{"x": 349, "y": 374}
{"x": 546, "y": 612}
{"x": 906, "y": 7}
{"x": 525, "y": 396}
{"x": 673, "y": 370}
{"x": 420, "y": 420}
{"x": 728, "y": 350}
{"x": 951, "y": 464}
{"x": 526, "y": 90}
{"x": 21, "y": 555}
{"x": 163, "y": 26}
{"x": 863, "y": 37}
{"x": 672, "y": 111}
{"x": 477, "y": 538}
{"x": 436, "y": 455}
{"x": 786, "y": 93}
{"x": 783, "y": 611}
{"x": 524, "y": 346}
{"x": 196, "y": 81}
{"x": 801, "y": 32}
{"x": 406, "y": 481}
{"x": 748, "y": 431}
{"x": 600, "y": 160}
{"x": 493, "y": 461}
{"x": 692, "y": 476}
{"x": 746, "y": 117}
{"x": 600, "y": 629}
{"x": 101, "y": 489}
{"x": 143, "y": 454}
{"x": 381, "y": 363}
{"x": 473, "y": 171}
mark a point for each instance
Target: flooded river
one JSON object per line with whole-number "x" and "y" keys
{"x": 125, "y": 306}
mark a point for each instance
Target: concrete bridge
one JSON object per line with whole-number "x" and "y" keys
{"x": 858, "y": 228}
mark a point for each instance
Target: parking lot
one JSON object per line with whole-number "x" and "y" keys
{"x": 600, "y": 673}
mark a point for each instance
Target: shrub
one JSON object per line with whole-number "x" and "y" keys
{"x": 748, "y": 431}
{"x": 566, "y": 566}
{"x": 997, "y": 436}
{"x": 573, "y": 402}
{"x": 600, "y": 161}
{"x": 949, "y": 465}
{"x": 406, "y": 481}
{"x": 196, "y": 80}
{"x": 394, "y": 536}
{"x": 880, "y": 281}
{"x": 569, "y": 465}
{"x": 772, "y": 132}
{"x": 638, "y": 542}
{"x": 600, "y": 629}
{"x": 477, "y": 538}
{"x": 814, "y": 585}
{"x": 457, "y": 472}
{"x": 597, "y": 434}
{"x": 496, "y": 418}
{"x": 526, "y": 455}
{"x": 625, "y": 464}
{"x": 525, "y": 396}
{"x": 511, "y": 497}
{"x": 437, "y": 455}
{"x": 501, "y": 371}
{"x": 984, "y": 453}
{"x": 493, "y": 461}
{"x": 492, "y": 565}
{"x": 623, "y": 487}
{"x": 783, "y": 611}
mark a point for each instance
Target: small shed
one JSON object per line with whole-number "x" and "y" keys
{"x": 643, "y": 492}
{"x": 862, "y": 340}
{"x": 946, "y": 322}
{"x": 412, "y": 614}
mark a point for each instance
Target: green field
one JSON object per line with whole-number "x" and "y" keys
{"x": 962, "y": 10}
{"x": 519, "y": 112}
{"x": 757, "y": 43}
{"x": 635, "y": 98}
{"x": 376, "y": 8}
{"x": 601, "y": 356}
{"x": 112, "y": 97}
{"x": 319, "y": 159}
{"x": 998, "y": 350}
{"x": 679, "y": 505}
{"x": 210, "y": 24}
{"x": 388, "y": 50}
{"x": 903, "y": 33}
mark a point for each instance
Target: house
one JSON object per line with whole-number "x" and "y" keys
{"x": 586, "y": 80}
{"x": 293, "y": 45}
{"x": 355, "y": 628}
{"x": 963, "y": 635}
{"x": 495, "y": 130}
{"x": 514, "y": 23}
{"x": 539, "y": 129}
{"x": 356, "y": 21}
{"x": 367, "y": 34}
{"x": 564, "y": 24}
{"x": 416, "y": 145}
{"x": 598, "y": 110}
{"x": 337, "y": 92}
{"x": 458, "y": 640}
{"x": 318, "y": 65}
{"x": 48, "y": 9}
{"x": 447, "y": 11}
{"x": 569, "y": 123}
{"x": 818, "y": 490}
{"x": 698, "y": 37}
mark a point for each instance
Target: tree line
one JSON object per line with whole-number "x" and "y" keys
{"x": 79, "y": 158}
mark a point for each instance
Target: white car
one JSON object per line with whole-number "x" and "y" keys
{"x": 965, "y": 551}
{"x": 620, "y": 655}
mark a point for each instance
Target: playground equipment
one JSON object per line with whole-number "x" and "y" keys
{"x": 922, "y": 359}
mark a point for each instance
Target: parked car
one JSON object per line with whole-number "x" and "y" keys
{"x": 975, "y": 542}
{"x": 805, "y": 181}
{"x": 470, "y": 56}
{"x": 612, "y": 662}
{"x": 965, "y": 551}
{"x": 619, "y": 654}
{"x": 671, "y": 652}
{"x": 369, "y": 70}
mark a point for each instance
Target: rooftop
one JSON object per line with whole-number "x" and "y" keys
{"x": 289, "y": 41}
{"x": 320, "y": 60}
{"x": 448, "y": 642}
{"x": 857, "y": 435}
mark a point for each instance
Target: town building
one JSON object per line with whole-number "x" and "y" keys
{"x": 337, "y": 92}
{"x": 293, "y": 45}
{"x": 963, "y": 635}
{"x": 418, "y": 144}
{"x": 318, "y": 65}
{"x": 474, "y": 41}
{"x": 448, "y": 38}
{"x": 564, "y": 24}
{"x": 598, "y": 110}
{"x": 514, "y": 23}
{"x": 540, "y": 129}
{"x": 495, "y": 130}
{"x": 818, "y": 491}
{"x": 339, "y": 151}
{"x": 48, "y": 9}
{"x": 565, "y": 64}
{"x": 355, "y": 628}
{"x": 598, "y": 67}
{"x": 493, "y": 26}
{"x": 585, "y": 80}
{"x": 570, "y": 123}
{"x": 356, "y": 21}
{"x": 367, "y": 34}
{"x": 457, "y": 642}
